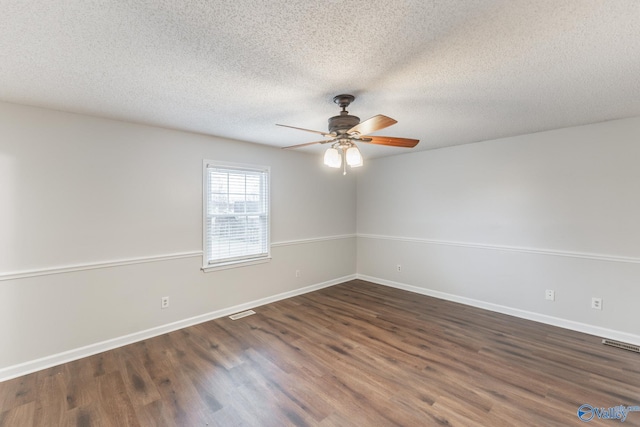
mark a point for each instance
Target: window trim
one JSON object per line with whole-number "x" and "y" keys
{"x": 223, "y": 265}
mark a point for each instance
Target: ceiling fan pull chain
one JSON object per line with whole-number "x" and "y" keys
{"x": 344, "y": 162}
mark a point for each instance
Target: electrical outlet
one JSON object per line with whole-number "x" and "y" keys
{"x": 550, "y": 295}
{"x": 297, "y": 273}
{"x": 164, "y": 302}
{"x": 596, "y": 303}
{"x": 398, "y": 268}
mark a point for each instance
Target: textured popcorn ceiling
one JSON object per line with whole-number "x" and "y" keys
{"x": 451, "y": 72}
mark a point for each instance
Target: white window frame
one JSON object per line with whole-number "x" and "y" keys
{"x": 209, "y": 264}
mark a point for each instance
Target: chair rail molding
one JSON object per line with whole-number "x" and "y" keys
{"x": 505, "y": 248}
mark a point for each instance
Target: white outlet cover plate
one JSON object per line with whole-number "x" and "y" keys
{"x": 596, "y": 303}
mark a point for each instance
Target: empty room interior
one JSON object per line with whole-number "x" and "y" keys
{"x": 337, "y": 213}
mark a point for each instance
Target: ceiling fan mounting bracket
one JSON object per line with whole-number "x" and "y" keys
{"x": 343, "y": 100}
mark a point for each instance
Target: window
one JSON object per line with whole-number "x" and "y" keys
{"x": 236, "y": 214}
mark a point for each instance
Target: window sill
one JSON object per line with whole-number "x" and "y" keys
{"x": 234, "y": 264}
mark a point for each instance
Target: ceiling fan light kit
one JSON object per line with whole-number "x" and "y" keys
{"x": 345, "y": 130}
{"x": 343, "y": 153}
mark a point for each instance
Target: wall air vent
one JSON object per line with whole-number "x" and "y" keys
{"x": 241, "y": 314}
{"x": 622, "y": 345}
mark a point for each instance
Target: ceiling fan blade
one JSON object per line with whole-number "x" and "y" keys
{"x": 309, "y": 143}
{"x": 373, "y": 124}
{"x": 391, "y": 141}
{"x": 308, "y": 130}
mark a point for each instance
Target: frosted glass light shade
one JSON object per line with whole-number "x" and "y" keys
{"x": 354, "y": 158}
{"x": 332, "y": 158}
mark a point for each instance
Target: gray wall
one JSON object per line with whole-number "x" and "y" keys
{"x": 496, "y": 223}
{"x": 99, "y": 219}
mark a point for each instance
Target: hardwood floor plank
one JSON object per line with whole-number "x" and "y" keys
{"x": 18, "y": 392}
{"x": 51, "y": 402}
{"x": 115, "y": 401}
{"x": 154, "y": 414}
{"x": 22, "y": 415}
{"x": 138, "y": 383}
{"x": 91, "y": 415}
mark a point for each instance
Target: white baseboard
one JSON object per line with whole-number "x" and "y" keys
{"x": 89, "y": 350}
{"x": 523, "y": 314}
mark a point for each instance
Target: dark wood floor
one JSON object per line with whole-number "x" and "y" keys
{"x": 355, "y": 354}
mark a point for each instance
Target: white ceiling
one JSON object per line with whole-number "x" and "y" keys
{"x": 451, "y": 72}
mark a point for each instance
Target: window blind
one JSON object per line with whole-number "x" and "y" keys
{"x": 236, "y": 214}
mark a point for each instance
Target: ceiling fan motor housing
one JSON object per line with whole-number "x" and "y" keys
{"x": 342, "y": 123}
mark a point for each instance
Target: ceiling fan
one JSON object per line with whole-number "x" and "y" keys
{"x": 345, "y": 130}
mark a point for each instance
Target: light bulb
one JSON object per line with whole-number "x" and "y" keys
{"x": 354, "y": 158}
{"x": 332, "y": 158}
